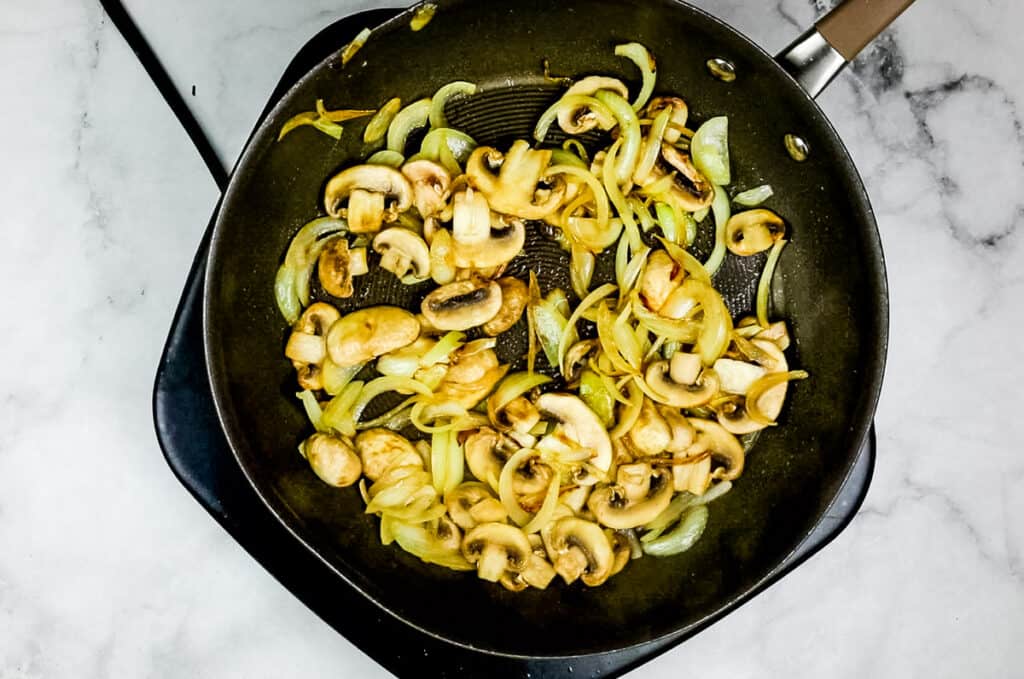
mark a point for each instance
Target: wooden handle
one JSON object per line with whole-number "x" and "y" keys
{"x": 855, "y": 23}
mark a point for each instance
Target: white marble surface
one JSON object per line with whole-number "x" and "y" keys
{"x": 109, "y": 569}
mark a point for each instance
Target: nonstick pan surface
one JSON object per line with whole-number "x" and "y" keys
{"x": 830, "y": 286}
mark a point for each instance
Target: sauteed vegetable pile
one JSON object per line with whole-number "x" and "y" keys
{"x": 638, "y": 399}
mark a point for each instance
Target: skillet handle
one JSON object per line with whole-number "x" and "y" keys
{"x": 817, "y": 56}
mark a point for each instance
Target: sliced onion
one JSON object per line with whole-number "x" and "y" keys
{"x": 357, "y": 43}
{"x": 425, "y": 411}
{"x": 602, "y": 212}
{"x": 440, "y": 442}
{"x": 576, "y": 147}
{"x": 755, "y": 196}
{"x": 631, "y": 413}
{"x": 381, "y": 121}
{"x": 386, "y": 157}
{"x": 505, "y": 492}
{"x": 442, "y": 349}
{"x": 312, "y": 408}
{"x": 617, "y": 199}
{"x": 291, "y": 286}
{"x": 561, "y": 157}
{"x": 284, "y": 293}
{"x": 764, "y": 285}
{"x": 606, "y": 337}
{"x": 639, "y": 55}
{"x": 720, "y": 208}
{"x": 395, "y": 419}
{"x": 763, "y": 384}
{"x": 643, "y": 213}
{"x": 547, "y": 510}
{"x": 605, "y": 117}
{"x": 652, "y": 146}
{"x": 629, "y": 132}
{"x": 458, "y": 88}
{"x": 419, "y": 542}
{"x": 581, "y": 269}
{"x": 408, "y": 119}
{"x": 551, "y": 326}
{"x": 512, "y": 387}
{"x": 685, "y": 331}
{"x": 710, "y": 150}
{"x": 338, "y": 412}
{"x": 690, "y": 264}
{"x": 569, "y": 336}
{"x": 382, "y": 385}
{"x": 460, "y": 144}
{"x": 716, "y": 326}
{"x": 683, "y": 536}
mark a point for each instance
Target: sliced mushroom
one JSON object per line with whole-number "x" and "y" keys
{"x": 580, "y": 424}
{"x": 693, "y": 477}
{"x": 462, "y": 305}
{"x": 505, "y": 239}
{"x": 683, "y": 434}
{"x": 445, "y": 534}
{"x": 672, "y": 393}
{"x": 367, "y": 196}
{"x": 486, "y": 456}
{"x": 635, "y": 480}
{"x": 471, "y": 504}
{"x": 622, "y": 551}
{"x": 496, "y": 548}
{"x": 575, "y": 499}
{"x": 520, "y": 187}
{"x": 382, "y": 449}
{"x": 680, "y": 304}
{"x": 753, "y": 231}
{"x": 519, "y": 415}
{"x": 307, "y": 345}
{"x": 471, "y": 217}
{"x": 685, "y": 368}
{"x": 777, "y": 333}
{"x": 723, "y": 446}
{"x": 579, "y": 549}
{"x": 732, "y": 414}
{"x": 333, "y": 460}
{"x": 365, "y": 334}
{"x": 650, "y": 434}
{"x": 431, "y": 184}
{"x": 442, "y": 257}
{"x": 576, "y": 359}
{"x": 514, "y": 296}
{"x": 612, "y": 508}
{"x": 691, "y": 190}
{"x": 661, "y": 276}
{"x": 334, "y": 268}
{"x": 403, "y": 253}
{"x": 677, "y": 119}
{"x": 580, "y": 119}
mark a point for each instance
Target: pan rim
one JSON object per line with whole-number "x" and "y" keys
{"x": 861, "y": 416}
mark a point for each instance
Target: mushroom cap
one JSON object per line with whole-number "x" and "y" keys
{"x": 496, "y": 548}
{"x": 670, "y": 392}
{"x": 333, "y": 460}
{"x": 372, "y": 178}
{"x": 514, "y": 297}
{"x": 580, "y": 423}
{"x": 753, "y": 231}
{"x": 462, "y": 502}
{"x": 500, "y": 247}
{"x": 723, "y": 446}
{"x": 580, "y": 549}
{"x": 650, "y": 434}
{"x": 677, "y": 119}
{"x": 403, "y": 252}
{"x": 317, "y": 319}
{"x": 382, "y": 449}
{"x": 612, "y": 508}
{"x": 683, "y": 434}
{"x": 576, "y": 358}
{"x": 334, "y": 268}
{"x": 661, "y": 276}
{"x": 484, "y": 456}
{"x": 695, "y": 194}
{"x": 514, "y": 189}
{"x": 462, "y": 305}
{"x": 431, "y": 185}
{"x": 370, "y": 332}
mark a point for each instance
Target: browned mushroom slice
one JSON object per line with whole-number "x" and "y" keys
{"x": 462, "y": 305}
{"x": 753, "y": 231}
{"x": 403, "y": 253}
{"x": 307, "y": 346}
{"x": 370, "y": 332}
{"x": 579, "y": 549}
{"x": 677, "y": 119}
{"x": 612, "y": 508}
{"x": 691, "y": 190}
{"x": 431, "y": 185}
{"x": 670, "y": 392}
{"x": 496, "y": 548}
{"x": 333, "y": 460}
{"x": 368, "y": 196}
{"x": 514, "y": 296}
{"x": 382, "y": 449}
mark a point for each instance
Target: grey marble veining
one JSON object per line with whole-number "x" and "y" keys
{"x": 109, "y": 569}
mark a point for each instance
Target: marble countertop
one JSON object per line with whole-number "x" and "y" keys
{"x": 108, "y": 568}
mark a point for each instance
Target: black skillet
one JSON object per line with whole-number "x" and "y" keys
{"x": 830, "y": 285}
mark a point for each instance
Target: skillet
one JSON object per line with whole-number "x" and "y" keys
{"x": 830, "y": 285}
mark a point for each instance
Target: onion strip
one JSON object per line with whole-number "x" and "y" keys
{"x": 640, "y": 56}
{"x": 570, "y": 329}
{"x": 605, "y": 117}
{"x": 457, "y": 88}
{"x": 764, "y": 286}
{"x": 405, "y": 121}
{"x": 547, "y": 510}
{"x": 629, "y": 132}
{"x": 762, "y": 385}
{"x": 631, "y": 413}
{"x": 505, "y": 492}
{"x": 721, "y": 210}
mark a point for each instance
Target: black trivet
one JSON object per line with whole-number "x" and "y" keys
{"x": 198, "y": 453}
